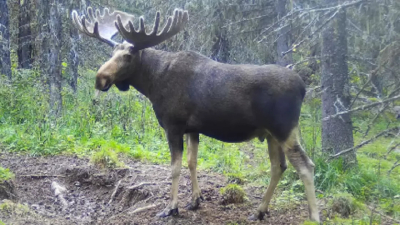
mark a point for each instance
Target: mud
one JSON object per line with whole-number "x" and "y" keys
{"x": 131, "y": 195}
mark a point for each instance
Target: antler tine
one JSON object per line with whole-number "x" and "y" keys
{"x": 90, "y": 14}
{"x": 140, "y": 39}
{"x": 156, "y": 24}
{"x": 100, "y": 26}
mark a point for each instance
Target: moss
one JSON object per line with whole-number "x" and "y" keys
{"x": 106, "y": 158}
{"x": 7, "y": 189}
{"x": 307, "y": 222}
{"x": 344, "y": 205}
{"x": 5, "y": 174}
{"x": 11, "y": 208}
{"x": 232, "y": 194}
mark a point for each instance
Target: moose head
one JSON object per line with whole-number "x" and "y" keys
{"x": 126, "y": 56}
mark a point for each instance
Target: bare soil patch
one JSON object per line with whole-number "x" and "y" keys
{"x": 133, "y": 195}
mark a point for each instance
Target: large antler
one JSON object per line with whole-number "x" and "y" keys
{"x": 140, "y": 39}
{"x": 100, "y": 26}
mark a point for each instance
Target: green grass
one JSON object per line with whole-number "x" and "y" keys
{"x": 122, "y": 124}
{"x": 106, "y": 158}
{"x": 5, "y": 174}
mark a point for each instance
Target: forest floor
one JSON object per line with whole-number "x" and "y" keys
{"x": 131, "y": 195}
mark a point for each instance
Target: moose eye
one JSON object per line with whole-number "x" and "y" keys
{"x": 127, "y": 57}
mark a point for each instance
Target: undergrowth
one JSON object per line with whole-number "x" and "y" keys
{"x": 5, "y": 174}
{"x": 123, "y": 124}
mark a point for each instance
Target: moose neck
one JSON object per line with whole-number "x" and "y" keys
{"x": 153, "y": 64}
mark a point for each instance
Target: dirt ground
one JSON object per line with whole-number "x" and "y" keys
{"x": 131, "y": 195}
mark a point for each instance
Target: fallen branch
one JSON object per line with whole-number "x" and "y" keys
{"x": 364, "y": 107}
{"x": 114, "y": 192}
{"x": 39, "y": 176}
{"x": 58, "y": 192}
{"x": 147, "y": 183}
{"x": 364, "y": 143}
{"x": 138, "y": 210}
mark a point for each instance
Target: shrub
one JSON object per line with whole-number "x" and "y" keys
{"x": 232, "y": 193}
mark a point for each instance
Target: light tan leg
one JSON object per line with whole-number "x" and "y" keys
{"x": 176, "y": 148}
{"x": 305, "y": 168}
{"x": 278, "y": 166}
{"x": 192, "y": 148}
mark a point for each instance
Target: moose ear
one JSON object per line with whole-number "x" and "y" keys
{"x": 122, "y": 85}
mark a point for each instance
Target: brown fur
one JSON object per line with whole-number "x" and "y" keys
{"x": 193, "y": 94}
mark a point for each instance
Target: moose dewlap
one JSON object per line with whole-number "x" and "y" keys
{"x": 192, "y": 94}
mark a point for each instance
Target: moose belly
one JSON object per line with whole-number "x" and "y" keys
{"x": 229, "y": 133}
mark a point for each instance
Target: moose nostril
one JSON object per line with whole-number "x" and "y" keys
{"x": 102, "y": 83}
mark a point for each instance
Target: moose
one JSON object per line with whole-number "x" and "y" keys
{"x": 192, "y": 94}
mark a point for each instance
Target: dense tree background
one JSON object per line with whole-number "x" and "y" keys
{"x": 347, "y": 52}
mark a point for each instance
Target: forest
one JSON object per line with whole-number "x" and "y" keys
{"x": 69, "y": 158}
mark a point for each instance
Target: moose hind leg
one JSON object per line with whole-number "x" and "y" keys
{"x": 176, "y": 148}
{"x": 305, "y": 168}
{"x": 278, "y": 166}
{"x": 192, "y": 148}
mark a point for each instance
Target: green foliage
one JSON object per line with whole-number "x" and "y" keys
{"x": 5, "y": 174}
{"x": 106, "y": 158}
{"x": 122, "y": 124}
{"x": 364, "y": 182}
{"x": 344, "y": 204}
{"x": 235, "y": 178}
{"x": 233, "y": 193}
{"x": 307, "y": 222}
{"x": 11, "y": 208}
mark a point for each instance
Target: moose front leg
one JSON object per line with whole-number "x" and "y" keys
{"x": 175, "y": 142}
{"x": 192, "y": 148}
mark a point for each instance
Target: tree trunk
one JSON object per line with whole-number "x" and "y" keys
{"x": 5, "y": 60}
{"x": 42, "y": 37}
{"x": 49, "y": 41}
{"x": 25, "y": 46}
{"x": 337, "y": 133}
{"x": 73, "y": 57}
{"x": 282, "y": 43}
{"x": 55, "y": 75}
{"x": 220, "y": 48}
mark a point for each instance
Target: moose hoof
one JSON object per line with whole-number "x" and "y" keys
{"x": 194, "y": 203}
{"x": 168, "y": 212}
{"x": 258, "y": 216}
